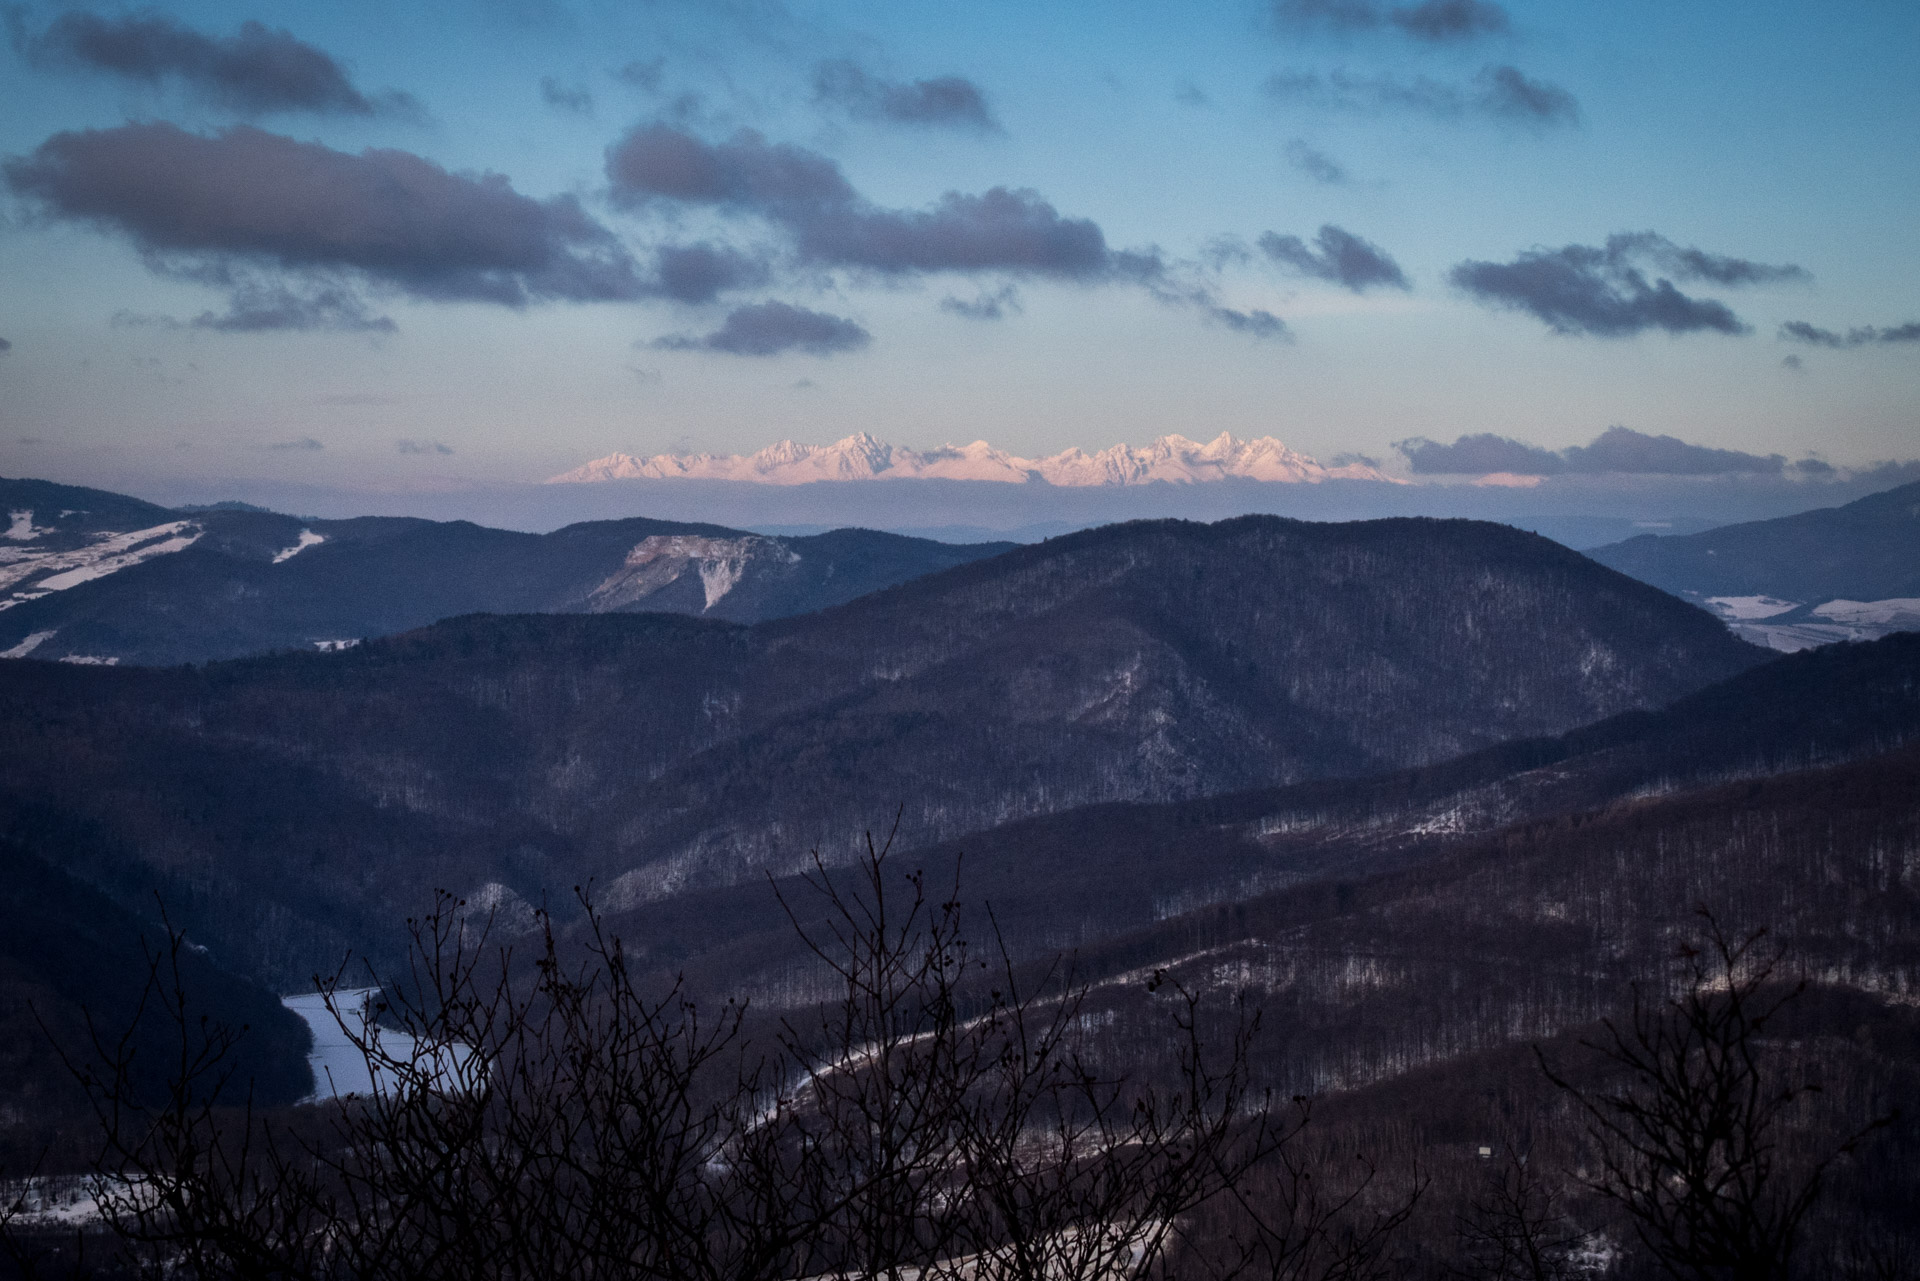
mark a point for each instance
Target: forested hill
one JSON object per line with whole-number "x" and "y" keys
{"x": 91, "y": 576}
{"x": 299, "y": 803}
{"x": 1866, "y": 550}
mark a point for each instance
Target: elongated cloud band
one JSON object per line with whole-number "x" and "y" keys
{"x": 1617, "y": 449}
{"x": 804, "y": 193}
{"x": 1605, "y": 291}
{"x": 770, "y": 328}
{"x": 258, "y": 71}
{"x": 951, "y": 102}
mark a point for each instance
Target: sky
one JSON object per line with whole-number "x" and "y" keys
{"x": 406, "y": 249}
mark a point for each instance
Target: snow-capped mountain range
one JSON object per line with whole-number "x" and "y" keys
{"x": 860, "y": 457}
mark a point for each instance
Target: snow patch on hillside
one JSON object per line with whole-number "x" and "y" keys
{"x": 105, "y": 554}
{"x": 656, "y": 562}
{"x": 20, "y": 527}
{"x": 307, "y": 539}
{"x": 27, "y": 646}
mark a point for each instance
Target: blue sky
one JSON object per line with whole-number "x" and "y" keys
{"x": 1546, "y": 219}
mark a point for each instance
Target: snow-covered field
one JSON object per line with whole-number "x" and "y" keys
{"x": 341, "y": 1069}
{"x": 1749, "y": 608}
{"x": 1900, "y": 613}
{"x": 1837, "y": 620}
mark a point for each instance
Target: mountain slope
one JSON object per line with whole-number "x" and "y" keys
{"x": 657, "y": 754}
{"x": 1797, "y": 580}
{"x": 1082, "y": 875}
{"x": 70, "y": 955}
{"x": 90, "y": 576}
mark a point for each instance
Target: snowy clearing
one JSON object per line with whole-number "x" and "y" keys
{"x": 307, "y": 539}
{"x": 105, "y": 555}
{"x": 341, "y": 1069}
{"x": 1750, "y": 608}
{"x": 1904, "y": 610}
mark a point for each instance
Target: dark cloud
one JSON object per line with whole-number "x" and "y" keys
{"x": 1316, "y": 164}
{"x": 1255, "y": 323}
{"x": 991, "y": 306}
{"x": 1621, "y": 449}
{"x": 1507, "y": 91}
{"x": 260, "y": 306}
{"x": 5, "y": 346}
{"x": 1792, "y": 362}
{"x": 197, "y": 205}
{"x": 1189, "y": 94}
{"x": 769, "y": 328}
{"x": 1617, "y": 449}
{"x": 421, "y": 447}
{"x": 1441, "y": 21}
{"x": 305, "y": 444}
{"x": 944, "y": 101}
{"x": 645, "y": 76}
{"x": 1478, "y": 455}
{"x": 574, "y": 98}
{"x": 1342, "y": 258}
{"x": 1497, "y": 93}
{"x": 1813, "y": 467}
{"x": 259, "y": 71}
{"x": 1580, "y": 289}
{"x": 1696, "y": 264}
{"x": 831, "y": 225}
{"x": 1801, "y": 331}
{"x": 701, "y": 272}
{"x": 1434, "y": 21}
{"x": 1866, "y": 335}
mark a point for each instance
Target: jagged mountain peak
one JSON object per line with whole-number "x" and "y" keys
{"x": 1172, "y": 458}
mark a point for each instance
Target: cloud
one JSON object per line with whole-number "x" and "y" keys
{"x": 942, "y": 102}
{"x": 574, "y": 98}
{"x": 770, "y": 328}
{"x": 1507, "y": 91}
{"x": 1498, "y": 93}
{"x": 1813, "y": 467}
{"x": 831, "y": 225}
{"x": 1615, "y": 450}
{"x": 645, "y": 76}
{"x": 1434, "y": 21}
{"x": 1621, "y": 449}
{"x": 259, "y": 71}
{"x": 1442, "y": 21}
{"x": 421, "y": 447}
{"x": 202, "y": 207}
{"x": 986, "y": 306}
{"x": 701, "y": 272}
{"x": 5, "y": 346}
{"x": 1866, "y": 335}
{"x": 1580, "y": 289}
{"x": 1189, "y": 94}
{"x": 305, "y": 444}
{"x": 1255, "y": 323}
{"x": 1316, "y": 164}
{"x": 1479, "y": 454}
{"x": 1342, "y": 258}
